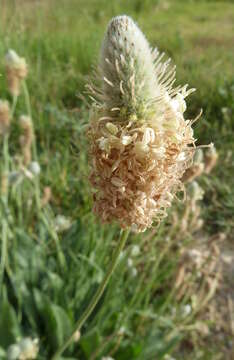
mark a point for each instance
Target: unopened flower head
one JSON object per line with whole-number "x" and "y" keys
{"x": 4, "y": 117}
{"x": 141, "y": 144}
{"x": 25, "y": 349}
{"x": 76, "y": 336}
{"x": 168, "y": 357}
{"x": 135, "y": 251}
{"x": 196, "y": 169}
{"x": 35, "y": 168}
{"x": 29, "y": 348}
{"x": 211, "y": 159}
{"x": 195, "y": 191}
{"x": 13, "y": 352}
{"x": 16, "y": 69}
{"x": 62, "y": 223}
{"x": 186, "y": 309}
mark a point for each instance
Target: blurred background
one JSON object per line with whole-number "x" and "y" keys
{"x": 172, "y": 295}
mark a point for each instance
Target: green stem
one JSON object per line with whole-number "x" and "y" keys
{"x": 4, "y": 255}
{"x": 97, "y": 295}
{"x": 6, "y": 154}
{"x": 27, "y": 99}
{"x": 29, "y": 111}
{"x": 34, "y": 147}
{"x": 5, "y": 209}
{"x": 44, "y": 216}
{"x": 14, "y": 103}
{"x": 3, "y": 252}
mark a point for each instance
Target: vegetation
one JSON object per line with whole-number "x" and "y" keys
{"x": 55, "y": 252}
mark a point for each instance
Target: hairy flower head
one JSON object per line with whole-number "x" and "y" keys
{"x": 16, "y": 69}
{"x": 140, "y": 142}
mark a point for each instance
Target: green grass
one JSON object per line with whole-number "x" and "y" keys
{"x": 41, "y": 298}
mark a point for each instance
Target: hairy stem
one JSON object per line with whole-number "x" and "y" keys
{"x": 97, "y": 295}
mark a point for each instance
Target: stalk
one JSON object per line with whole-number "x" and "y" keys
{"x": 5, "y": 210}
{"x": 6, "y": 157}
{"x": 3, "y": 252}
{"x": 34, "y": 148}
{"x": 29, "y": 111}
{"x": 61, "y": 258}
{"x": 123, "y": 238}
{"x": 14, "y": 103}
{"x": 54, "y": 235}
